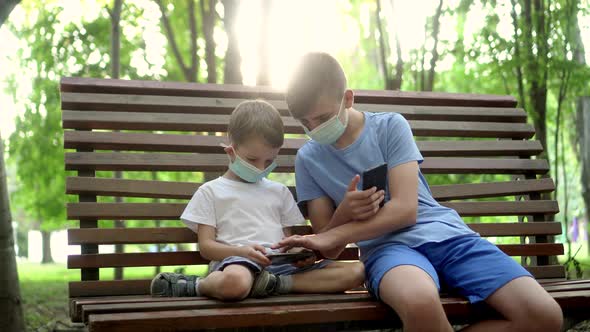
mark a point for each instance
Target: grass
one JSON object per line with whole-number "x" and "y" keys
{"x": 44, "y": 290}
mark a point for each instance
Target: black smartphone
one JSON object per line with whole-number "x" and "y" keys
{"x": 289, "y": 257}
{"x": 376, "y": 177}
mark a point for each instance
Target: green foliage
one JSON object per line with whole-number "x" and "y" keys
{"x": 481, "y": 60}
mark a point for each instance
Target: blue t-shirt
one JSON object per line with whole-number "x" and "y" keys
{"x": 323, "y": 170}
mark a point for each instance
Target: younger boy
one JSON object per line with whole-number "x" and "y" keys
{"x": 412, "y": 242}
{"x": 241, "y": 214}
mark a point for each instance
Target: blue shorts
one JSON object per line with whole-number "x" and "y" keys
{"x": 468, "y": 265}
{"x": 283, "y": 269}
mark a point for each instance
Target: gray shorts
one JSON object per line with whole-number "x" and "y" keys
{"x": 283, "y": 269}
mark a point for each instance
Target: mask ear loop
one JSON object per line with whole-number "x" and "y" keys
{"x": 225, "y": 146}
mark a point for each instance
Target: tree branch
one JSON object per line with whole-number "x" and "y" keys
{"x": 192, "y": 20}
{"x": 171, "y": 40}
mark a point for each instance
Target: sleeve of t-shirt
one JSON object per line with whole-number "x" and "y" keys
{"x": 200, "y": 210}
{"x": 401, "y": 147}
{"x": 307, "y": 188}
{"x": 290, "y": 214}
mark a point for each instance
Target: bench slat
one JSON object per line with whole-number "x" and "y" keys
{"x": 168, "y": 258}
{"x": 172, "y": 211}
{"x": 204, "y": 303}
{"x": 85, "y": 289}
{"x": 212, "y": 144}
{"x": 280, "y": 315}
{"x": 207, "y": 105}
{"x": 94, "y": 305}
{"x": 137, "y": 87}
{"x": 209, "y": 122}
{"x": 193, "y": 257}
{"x": 185, "y": 235}
{"x": 491, "y": 189}
{"x": 185, "y": 190}
{"x": 218, "y": 163}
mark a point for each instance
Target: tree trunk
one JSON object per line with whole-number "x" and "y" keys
{"x": 383, "y": 49}
{"x": 5, "y": 8}
{"x": 115, "y": 14}
{"x": 435, "y": 30}
{"x": 537, "y": 68}
{"x": 193, "y": 73}
{"x": 517, "y": 57}
{"x": 583, "y": 124}
{"x": 263, "y": 76}
{"x": 399, "y": 66}
{"x": 208, "y": 19}
{"x": 46, "y": 245}
{"x": 11, "y": 309}
{"x": 582, "y": 120}
{"x": 232, "y": 72}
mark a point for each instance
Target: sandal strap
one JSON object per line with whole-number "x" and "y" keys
{"x": 180, "y": 284}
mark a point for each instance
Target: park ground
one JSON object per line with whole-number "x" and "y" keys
{"x": 44, "y": 290}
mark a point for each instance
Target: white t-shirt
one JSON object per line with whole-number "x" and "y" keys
{"x": 243, "y": 213}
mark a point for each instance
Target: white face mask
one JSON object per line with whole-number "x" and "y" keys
{"x": 330, "y": 131}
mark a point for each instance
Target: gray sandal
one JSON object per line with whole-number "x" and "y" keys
{"x": 167, "y": 284}
{"x": 264, "y": 284}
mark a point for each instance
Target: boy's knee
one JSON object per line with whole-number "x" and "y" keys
{"x": 415, "y": 303}
{"x": 233, "y": 286}
{"x": 358, "y": 274}
{"x": 545, "y": 316}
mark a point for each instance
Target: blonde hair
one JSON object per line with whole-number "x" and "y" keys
{"x": 256, "y": 118}
{"x": 316, "y": 75}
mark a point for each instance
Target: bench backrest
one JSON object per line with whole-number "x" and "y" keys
{"x": 478, "y": 157}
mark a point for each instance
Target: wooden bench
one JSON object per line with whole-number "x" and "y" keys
{"x": 479, "y": 147}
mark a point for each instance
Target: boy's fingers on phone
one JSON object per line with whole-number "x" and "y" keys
{"x": 353, "y": 183}
{"x": 259, "y": 248}
{"x": 260, "y": 258}
{"x": 367, "y": 193}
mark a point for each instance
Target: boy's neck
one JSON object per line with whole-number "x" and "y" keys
{"x": 356, "y": 121}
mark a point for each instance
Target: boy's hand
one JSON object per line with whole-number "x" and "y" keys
{"x": 254, "y": 252}
{"x": 360, "y": 205}
{"x": 318, "y": 242}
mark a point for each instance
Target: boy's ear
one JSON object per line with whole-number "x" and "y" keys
{"x": 348, "y": 98}
{"x": 229, "y": 150}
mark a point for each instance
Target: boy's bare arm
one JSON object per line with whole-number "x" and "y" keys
{"x": 216, "y": 251}
{"x": 399, "y": 212}
{"x": 322, "y": 217}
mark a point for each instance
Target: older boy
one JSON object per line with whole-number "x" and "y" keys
{"x": 240, "y": 215}
{"x": 412, "y": 241}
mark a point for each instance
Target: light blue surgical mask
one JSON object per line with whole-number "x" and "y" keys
{"x": 247, "y": 171}
{"x": 330, "y": 131}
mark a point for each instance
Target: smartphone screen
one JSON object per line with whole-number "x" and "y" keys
{"x": 376, "y": 177}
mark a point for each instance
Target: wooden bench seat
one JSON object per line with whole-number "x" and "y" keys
{"x": 480, "y": 159}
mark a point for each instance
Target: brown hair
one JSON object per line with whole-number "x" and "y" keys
{"x": 317, "y": 75}
{"x": 256, "y": 118}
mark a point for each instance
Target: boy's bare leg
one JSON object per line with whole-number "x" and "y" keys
{"x": 231, "y": 284}
{"x": 526, "y": 307}
{"x": 412, "y": 293}
{"x": 335, "y": 277}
